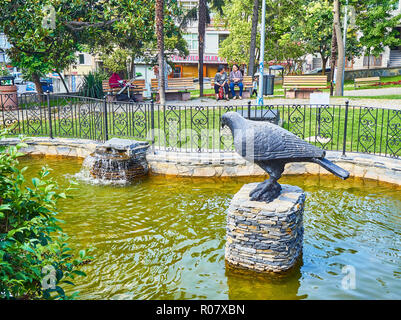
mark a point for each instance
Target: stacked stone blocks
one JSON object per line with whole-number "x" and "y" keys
{"x": 265, "y": 237}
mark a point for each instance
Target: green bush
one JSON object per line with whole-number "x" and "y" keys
{"x": 92, "y": 86}
{"x": 35, "y": 261}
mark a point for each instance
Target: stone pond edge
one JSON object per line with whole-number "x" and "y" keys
{"x": 217, "y": 164}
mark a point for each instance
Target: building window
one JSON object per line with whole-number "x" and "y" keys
{"x": 81, "y": 58}
{"x": 372, "y": 61}
{"x": 188, "y": 5}
{"x": 192, "y": 40}
{"x": 316, "y": 63}
{"x": 222, "y": 37}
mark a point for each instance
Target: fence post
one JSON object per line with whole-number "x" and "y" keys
{"x": 152, "y": 123}
{"x": 50, "y": 114}
{"x": 345, "y": 127}
{"x": 249, "y": 110}
{"x": 106, "y": 127}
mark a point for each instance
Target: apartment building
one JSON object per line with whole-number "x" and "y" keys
{"x": 188, "y": 67}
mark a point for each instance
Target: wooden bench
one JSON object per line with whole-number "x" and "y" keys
{"x": 302, "y": 86}
{"x": 178, "y": 88}
{"x": 361, "y": 81}
{"x": 137, "y": 90}
{"x": 247, "y": 81}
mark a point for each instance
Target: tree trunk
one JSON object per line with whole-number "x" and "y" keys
{"x": 201, "y": 39}
{"x": 333, "y": 60}
{"x": 255, "y": 19}
{"x": 133, "y": 69}
{"x": 63, "y": 81}
{"x": 324, "y": 63}
{"x": 340, "y": 45}
{"x": 36, "y": 81}
{"x": 160, "y": 48}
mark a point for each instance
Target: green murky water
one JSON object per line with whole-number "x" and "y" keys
{"x": 163, "y": 238}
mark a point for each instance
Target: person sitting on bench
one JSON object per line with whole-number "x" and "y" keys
{"x": 221, "y": 81}
{"x": 236, "y": 78}
{"x": 115, "y": 81}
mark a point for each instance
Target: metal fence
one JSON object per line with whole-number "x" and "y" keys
{"x": 342, "y": 128}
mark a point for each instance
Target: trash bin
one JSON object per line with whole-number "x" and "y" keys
{"x": 8, "y": 94}
{"x": 268, "y": 84}
{"x": 47, "y": 85}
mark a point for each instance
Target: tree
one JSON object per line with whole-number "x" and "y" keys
{"x": 376, "y": 24}
{"x": 38, "y": 48}
{"x": 237, "y": 47}
{"x": 202, "y": 14}
{"x": 116, "y": 61}
{"x": 160, "y": 47}
{"x": 255, "y": 20}
{"x": 315, "y": 29}
{"x": 201, "y": 41}
{"x": 340, "y": 47}
{"x": 333, "y": 60}
{"x": 280, "y": 44}
{"x": 79, "y": 25}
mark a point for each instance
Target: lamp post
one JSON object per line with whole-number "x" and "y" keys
{"x": 345, "y": 42}
{"x": 262, "y": 55}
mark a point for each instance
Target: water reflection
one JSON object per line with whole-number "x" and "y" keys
{"x": 249, "y": 285}
{"x": 163, "y": 238}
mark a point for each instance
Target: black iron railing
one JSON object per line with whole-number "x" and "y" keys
{"x": 190, "y": 128}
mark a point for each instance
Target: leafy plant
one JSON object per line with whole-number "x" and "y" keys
{"x": 35, "y": 260}
{"x": 4, "y": 71}
{"x": 91, "y": 85}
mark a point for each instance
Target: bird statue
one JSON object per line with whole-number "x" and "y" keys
{"x": 271, "y": 148}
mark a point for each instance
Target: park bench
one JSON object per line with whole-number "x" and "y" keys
{"x": 247, "y": 81}
{"x": 177, "y": 88}
{"x": 302, "y": 86}
{"x": 136, "y": 91}
{"x": 371, "y": 80}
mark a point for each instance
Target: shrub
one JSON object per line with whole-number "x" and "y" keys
{"x": 92, "y": 86}
{"x": 35, "y": 261}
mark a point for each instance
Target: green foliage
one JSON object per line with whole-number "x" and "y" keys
{"x": 237, "y": 17}
{"x": 35, "y": 261}
{"x": 35, "y": 49}
{"x": 116, "y": 61}
{"x": 4, "y": 71}
{"x": 377, "y": 25}
{"x": 91, "y": 85}
{"x": 280, "y": 46}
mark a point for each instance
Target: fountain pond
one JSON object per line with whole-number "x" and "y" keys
{"x": 163, "y": 238}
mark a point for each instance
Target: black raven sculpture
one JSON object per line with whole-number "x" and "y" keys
{"x": 271, "y": 147}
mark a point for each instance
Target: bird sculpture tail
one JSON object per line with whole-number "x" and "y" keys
{"x": 334, "y": 169}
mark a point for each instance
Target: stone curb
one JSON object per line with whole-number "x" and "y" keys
{"x": 220, "y": 164}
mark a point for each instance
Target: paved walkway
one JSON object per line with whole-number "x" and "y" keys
{"x": 376, "y": 103}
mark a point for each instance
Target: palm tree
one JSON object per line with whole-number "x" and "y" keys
{"x": 255, "y": 18}
{"x": 202, "y": 12}
{"x": 160, "y": 48}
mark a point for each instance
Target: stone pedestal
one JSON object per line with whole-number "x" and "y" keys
{"x": 265, "y": 237}
{"x": 119, "y": 160}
